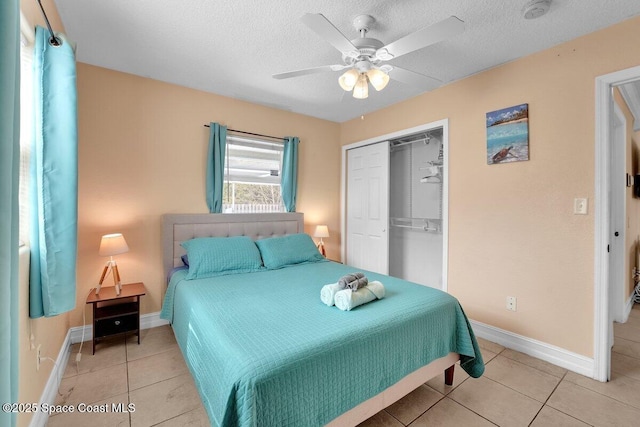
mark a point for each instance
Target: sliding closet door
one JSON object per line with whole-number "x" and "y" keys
{"x": 368, "y": 207}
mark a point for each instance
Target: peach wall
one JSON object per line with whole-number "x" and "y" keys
{"x": 48, "y": 333}
{"x": 512, "y": 231}
{"x": 32, "y": 12}
{"x": 142, "y": 153}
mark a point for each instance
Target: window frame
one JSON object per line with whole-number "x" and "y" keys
{"x": 250, "y": 170}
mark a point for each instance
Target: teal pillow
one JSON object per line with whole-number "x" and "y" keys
{"x": 217, "y": 256}
{"x": 278, "y": 252}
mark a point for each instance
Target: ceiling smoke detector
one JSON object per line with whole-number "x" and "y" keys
{"x": 536, "y": 8}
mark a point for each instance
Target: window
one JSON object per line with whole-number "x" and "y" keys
{"x": 26, "y": 130}
{"x": 252, "y": 176}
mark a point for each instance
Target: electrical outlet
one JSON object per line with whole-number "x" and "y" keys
{"x": 38, "y": 357}
{"x": 511, "y": 303}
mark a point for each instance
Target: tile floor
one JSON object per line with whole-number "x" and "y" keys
{"x": 516, "y": 390}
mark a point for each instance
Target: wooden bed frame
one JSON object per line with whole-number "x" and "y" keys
{"x": 176, "y": 228}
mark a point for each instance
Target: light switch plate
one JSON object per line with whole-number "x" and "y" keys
{"x": 580, "y": 206}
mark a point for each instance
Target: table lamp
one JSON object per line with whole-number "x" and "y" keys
{"x": 110, "y": 245}
{"x": 321, "y": 231}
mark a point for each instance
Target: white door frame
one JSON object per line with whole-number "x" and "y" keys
{"x": 602, "y": 317}
{"x": 444, "y": 124}
{"x": 618, "y": 211}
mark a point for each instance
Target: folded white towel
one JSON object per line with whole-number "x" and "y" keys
{"x": 328, "y": 292}
{"x": 430, "y": 171}
{"x": 347, "y": 299}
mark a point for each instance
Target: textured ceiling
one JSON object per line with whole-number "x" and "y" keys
{"x": 233, "y": 47}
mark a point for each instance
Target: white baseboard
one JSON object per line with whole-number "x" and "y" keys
{"x": 39, "y": 419}
{"x": 74, "y": 335}
{"x": 150, "y": 320}
{"x": 549, "y": 353}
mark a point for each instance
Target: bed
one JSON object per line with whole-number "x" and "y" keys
{"x": 265, "y": 351}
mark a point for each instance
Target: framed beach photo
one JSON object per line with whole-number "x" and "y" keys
{"x": 508, "y": 135}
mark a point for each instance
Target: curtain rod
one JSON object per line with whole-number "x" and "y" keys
{"x": 254, "y": 134}
{"x": 54, "y": 41}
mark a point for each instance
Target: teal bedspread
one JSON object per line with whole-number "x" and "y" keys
{"x": 265, "y": 351}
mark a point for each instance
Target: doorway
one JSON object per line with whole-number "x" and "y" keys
{"x": 603, "y": 313}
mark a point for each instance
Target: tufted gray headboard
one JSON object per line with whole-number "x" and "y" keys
{"x": 176, "y": 228}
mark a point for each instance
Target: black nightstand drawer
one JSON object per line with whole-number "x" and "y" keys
{"x": 116, "y": 313}
{"x": 116, "y": 325}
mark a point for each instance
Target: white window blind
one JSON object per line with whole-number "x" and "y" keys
{"x": 26, "y": 129}
{"x": 253, "y": 168}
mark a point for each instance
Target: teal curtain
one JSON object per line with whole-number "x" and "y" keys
{"x": 215, "y": 166}
{"x": 289, "y": 182}
{"x": 53, "y": 192}
{"x": 9, "y": 175}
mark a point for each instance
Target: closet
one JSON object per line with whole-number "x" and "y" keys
{"x": 415, "y": 208}
{"x": 394, "y": 207}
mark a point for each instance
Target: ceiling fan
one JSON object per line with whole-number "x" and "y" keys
{"x": 364, "y": 56}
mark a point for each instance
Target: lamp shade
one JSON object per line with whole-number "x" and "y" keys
{"x": 113, "y": 244}
{"x": 348, "y": 80}
{"x": 361, "y": 90}
{"x": 379, "y": 79}
{"x": 321, "y": 231}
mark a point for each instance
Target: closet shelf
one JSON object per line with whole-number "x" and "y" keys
{"x": 422, "y": 181}
{"x": 432, "y": 164}
{"x": 431, "y": 225}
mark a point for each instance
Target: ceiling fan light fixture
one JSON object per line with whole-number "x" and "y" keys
{"x": 378, "y": 79}
{"x": 383, "y": 54}
{"x": 348, "y": 80}
{"x": 361, "y": 89}
{"x": 362, "y": 57}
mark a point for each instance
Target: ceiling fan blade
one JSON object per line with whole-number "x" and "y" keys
{"x": 325, "y": 29}
{"x": 414, "y": 79}
{"x": 307, "y": 71}
{"x": 422, "y": 38}
{"x": 303, "y": 72}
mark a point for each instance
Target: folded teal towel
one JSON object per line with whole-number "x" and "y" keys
{"x": 346, "y": 299}
{"x": 328, "y": 292}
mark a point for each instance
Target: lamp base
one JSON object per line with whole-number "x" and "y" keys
{"x": 113, "y": 267}
{"x": 321, "y": 249}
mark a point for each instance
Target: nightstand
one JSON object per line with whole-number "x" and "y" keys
{"x": 116, "y": 314}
